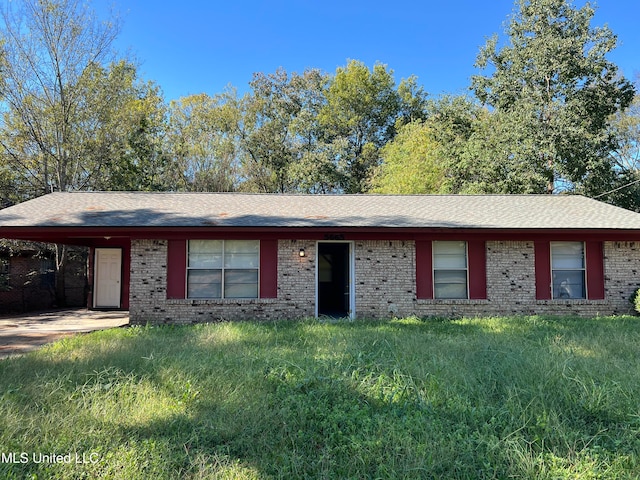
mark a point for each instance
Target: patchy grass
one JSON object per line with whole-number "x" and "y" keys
{"x": 523, "y": 397}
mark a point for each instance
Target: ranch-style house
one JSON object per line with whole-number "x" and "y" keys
{"x": 196, "y": 257}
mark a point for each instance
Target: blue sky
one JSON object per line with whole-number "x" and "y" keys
{"x": 195, "y": 46}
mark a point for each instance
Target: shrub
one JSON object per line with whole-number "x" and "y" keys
{"x": 635, "y": 300}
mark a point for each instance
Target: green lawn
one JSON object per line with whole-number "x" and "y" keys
{"x": 523, "y": 397}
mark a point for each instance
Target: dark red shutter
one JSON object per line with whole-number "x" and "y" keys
{"x": 595, "y": 270}
{"x": 176, "y": 268}
{"x": 543, "y": 270}
{"x": 477, "y": 269}
{"x": 268, "y": 268}
{"x": 126, "y": 274}
{"x": 424, "y": 270}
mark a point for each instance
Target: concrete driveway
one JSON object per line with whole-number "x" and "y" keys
{"x": 25, "y": 332}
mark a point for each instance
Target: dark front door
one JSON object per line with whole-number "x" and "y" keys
{"x": 333, "y": 279}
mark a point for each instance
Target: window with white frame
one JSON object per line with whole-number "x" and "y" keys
{"x": 568, "y": 270}
{"x": 223, "y": 268}
{"x": 450, "y": 271}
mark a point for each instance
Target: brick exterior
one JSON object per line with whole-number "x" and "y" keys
{"x": 149, "y": 303}
{"x": 385, "y": 285}
{"x": 385, "y": 278}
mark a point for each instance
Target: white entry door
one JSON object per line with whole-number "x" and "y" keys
{"x": 107, "y": 274}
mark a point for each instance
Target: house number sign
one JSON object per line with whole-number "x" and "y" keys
{"x": 334, "y": 236}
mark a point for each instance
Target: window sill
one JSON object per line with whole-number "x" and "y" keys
{"x": 451, "y": 301}
{"x": 571, "y": 301}
{"x": 220, "y": 301}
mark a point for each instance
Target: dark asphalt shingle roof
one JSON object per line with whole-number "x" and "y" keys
{"x": 138, "y": 209}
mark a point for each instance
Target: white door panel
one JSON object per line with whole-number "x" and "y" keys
{"x": 107, "y": 275}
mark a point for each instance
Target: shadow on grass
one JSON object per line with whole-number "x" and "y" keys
{"x": 406, "y": 398}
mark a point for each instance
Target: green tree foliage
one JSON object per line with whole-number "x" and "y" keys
{"x": 312, "y": 132}
{"x": 10, "y": 193}
{"x": 487, "y": 164}
{"x": 413, "y": 101}
{"x": 72, "y": 118}
{"x": 360, "y": 114}
{"x": 552, "y": 92}
{"x": 625, "y": 191}
{"x": 315, "y": 169}
{"x": 461, "y": 130}
{"x": 449, "y": 151}
{"x": 202, "y": 142}
{"x": 279, "y": 132}
{"x": 121, "y": 126}
{"x": 47, "y": 47}
{"x": 412, "y": 162}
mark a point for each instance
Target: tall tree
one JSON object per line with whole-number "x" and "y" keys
{"x": 279, "y": 129}
{"x": 308, "y": 132}
{"x": 360, "y": 115}
{"x": 49, "y": 50}
{"x": 553, "y": 91}
{"x": 411, "y": 162}
{"x": 47, "y": 46}
{"x": 453, "y": 150}
{"x": 119, "y": 131}
{"x": 315, "y": 169}
{"x": 203, "y": 142}
{"x": 625, "y": 190}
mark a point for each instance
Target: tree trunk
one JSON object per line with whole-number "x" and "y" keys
{"x": 552, "y": 177}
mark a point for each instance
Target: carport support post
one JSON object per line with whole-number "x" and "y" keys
{"x": 61, "y": 267}
{"x": 89, "y": 289}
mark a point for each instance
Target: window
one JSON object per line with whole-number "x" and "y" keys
{"x": 47, "y": 272}
{"x": 450, "y": 269}
{"x": 5, "y": 268}
{"x": 223, "y": 268}
{"x": 568, "y": 270}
